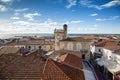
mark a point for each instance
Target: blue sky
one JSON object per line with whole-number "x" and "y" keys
{"x": 43, "y": 16}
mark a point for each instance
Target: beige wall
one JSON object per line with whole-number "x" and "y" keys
{"x": 44, "y": 47}
{"x": 75, "y": 46}
{"x": 58, "y": 37}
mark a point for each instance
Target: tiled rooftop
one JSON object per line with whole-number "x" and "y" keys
{"x": 61, "y": 52}
{"x": 108, "y": 44}
{"x": 16, "y": 67}
{"x": 35, "y": 42}
{"x": 7, "y": 50}
{"x": 71, "y": 60}
{"x": 117, "y": 51}
{"x": 58, "y": 71}
{"x": 76, "y": 39}
{"x": 90, "y": 37}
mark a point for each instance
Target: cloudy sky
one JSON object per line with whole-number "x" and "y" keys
{"x": 43, "y": 16}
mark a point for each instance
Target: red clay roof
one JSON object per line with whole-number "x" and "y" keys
{"x": 76, "y": 39}
{"x": 32, "y": 67}
{"x": 111, "y": 45}
{"x": 58, "y": 71}
{"x": 7, "y": 50}
{"x": 100, "y": 44}
{"x": 61, "y": 52}
{"x": 89, "y": 37}
{"x": 71, "y": 60}
{"x": 16, "y": 67}
{"x": 117, "y": 51}
{"x": 35, "y": 42}
{"x": 108, "y": 44}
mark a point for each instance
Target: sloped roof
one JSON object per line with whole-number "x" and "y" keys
{"x": 35, "y": 42}
{"x": 78, "y": 39}
{"x": 57, "y": 71}
{"x": 7, "y": 50}
{"x": 117, "y": 51}
{"x": 18, "y": 67}
{"x": 112, "y": 45}
{"x": 90, "y": 37}
{"x": 71, "y": 60}
{"x": 77, "y": 53}
{"x": 108, "y": 44}
{"x": 100, "y": 44}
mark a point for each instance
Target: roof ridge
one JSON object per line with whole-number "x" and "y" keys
{"x": 45, "y": 66}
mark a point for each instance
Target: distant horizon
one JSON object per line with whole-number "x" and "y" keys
{"x": 6, "y": 36}
{"x": 53, "y": 33}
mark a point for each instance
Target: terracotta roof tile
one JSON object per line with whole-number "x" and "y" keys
{"x": 58, "y": 71}
{"x": 117, "y": 51}
{"x": 78, "y": 39}
{"x": 90, "y": 37}
{"x": 62, "y": 52}
{"x": 7, "y": 50}
{"x": 16, "y": 67}
{"x": 35, "y": 42}
{"x": 111, "y": 45}
{"x": 71, "y": 60}
{"x": 100, "y": 44}
{"x": 108, "y": 44}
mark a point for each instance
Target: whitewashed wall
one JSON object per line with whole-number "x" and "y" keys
{"x": 107, "y": 54}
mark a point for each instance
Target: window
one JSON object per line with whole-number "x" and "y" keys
{"x": 83, "y": 56}
{"x": 29, "y": 47}
{"x": 70, "y": 46}
{"x": 99, "y": 50}
{"x": 74, "y": 46}
{"x": 39, "y": 47}
{"x": 65, "y": 46}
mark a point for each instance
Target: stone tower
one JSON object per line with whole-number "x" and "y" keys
{"x": 65, "y": 30}
{"x": 59, "y": 35}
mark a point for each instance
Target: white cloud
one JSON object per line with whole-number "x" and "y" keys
{"x": 76, "y": 21}
{"x": 15, "y": 18}
{"x": 71, "y": 3}
{"x": 31, "y": 15}
{"x": 110, "y": 18}
{"x": 16, "y": 13}
{"x": 95, "y": 14}
{"x": 3, "y": 4}
{"x": 89, "y": 4}
{"x": 2, "y": 8}
{"x": 21, "y": 10}
{"x": 73, "y": 22}
{"x": 46, "y": 23}
{"x": 84, "y": 29}
{"x": 49, "y": 22}
{"x": 24, "y": 23}
{"x": 5, "y": 1}
{"x": 111, "y": 3}
{"x": 20, "y": 26}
